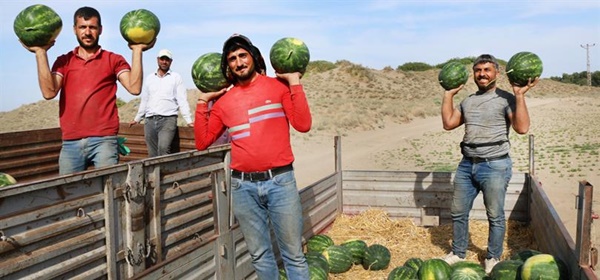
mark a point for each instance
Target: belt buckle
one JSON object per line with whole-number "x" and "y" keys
{"x": 258, "y": 176}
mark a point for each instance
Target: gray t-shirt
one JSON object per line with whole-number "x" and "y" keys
{"x": 486, "y": 122}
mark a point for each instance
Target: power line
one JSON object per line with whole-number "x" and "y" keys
{"x": 589, "y": 73}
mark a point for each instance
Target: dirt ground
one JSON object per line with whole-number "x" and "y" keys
{"x": 566, "y": 144}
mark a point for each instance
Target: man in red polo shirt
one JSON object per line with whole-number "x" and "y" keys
{"x": 87, "y": 81}
{"x": 257, "y": 113}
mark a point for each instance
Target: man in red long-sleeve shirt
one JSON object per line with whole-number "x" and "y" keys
{"x": 257, "y": 112}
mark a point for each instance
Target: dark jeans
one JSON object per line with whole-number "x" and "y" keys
{"x": 159, "y": 132}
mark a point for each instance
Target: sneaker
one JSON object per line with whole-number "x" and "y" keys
{"x": 489, "y": 264}
{"x": 452, "y": 258}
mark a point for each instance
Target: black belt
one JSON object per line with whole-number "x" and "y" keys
{"x": 159, "y": 117}
{"x": 261, "y": 175}
{"x": 478, "y": 159}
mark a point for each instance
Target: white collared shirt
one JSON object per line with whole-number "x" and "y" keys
{"x": 163, "y": 96}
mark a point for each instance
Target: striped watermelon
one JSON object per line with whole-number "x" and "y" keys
{"x": 357, "y": 249}
{"x": 282, "y": 274}
{"x": 317, "y": 273}
{"x": 317, "y": 259}
{"x": 523, "y": 66}
{"x": 453, "y": 74}
{"x": 525, "y": 254}
{"x": 414, "y": 263}
{"x": 37, "y": 25}
{"x": 507, "y": 270}
{"x": 6, "y": 180}
{"x": 289, "y": 55}
{"x": 139, "y": 26}
{"x": 402, "y": 273}
{"x": 318, "y": 243}
{"x": 467, "y": 271}
{"x": 339, "y": 258}
{"x": 434, "y": 269}
{"x": 206, "y": 73}
{"x": 377, "y": 257}
{"x": 544, "y": 266}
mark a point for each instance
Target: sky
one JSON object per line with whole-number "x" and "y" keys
{"x": 374, "y": 34}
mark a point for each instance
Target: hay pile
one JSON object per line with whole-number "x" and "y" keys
{"x": 405, "y": 240}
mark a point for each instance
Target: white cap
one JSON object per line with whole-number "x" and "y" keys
{"x": 166, "y": 53}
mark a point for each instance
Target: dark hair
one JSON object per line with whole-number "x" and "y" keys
{"x": 485, "y": 58}
{"x": 238, "y": 41}
{"x": 87, "y": 13}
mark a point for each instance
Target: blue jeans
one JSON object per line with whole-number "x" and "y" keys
{"x": 159, "y": 132}
{"x": 77, "y": 155}
{"x": 492, "y": 179}
{"x": 275, "y": 202}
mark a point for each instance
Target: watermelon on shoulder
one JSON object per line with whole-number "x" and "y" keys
{"x": 37, "y": 25}
{"x": 507, "y": 270}
{"x": 206, "y": 73}
{"x": 523, "y": 66}
{"x": 139, "y": 26}
{"x": 377, "y": 257}
{"x": 289, "y": 55}
{"x": 453, "y": 74}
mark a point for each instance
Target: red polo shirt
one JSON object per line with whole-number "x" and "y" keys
{"x": 87, "y": 105}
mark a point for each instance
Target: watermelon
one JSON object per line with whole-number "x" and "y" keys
{"x": 339, "y": 258}
{"x": 525, "y": 254}
{"x": 206, "y": 73}
{"x": 6, "y": 180}
{"x": 139, "y": 26}
{"x": 357, "y": 249}
{"x": 523, "y": 66}
{"x": 317, "y": 273}
{"x": 453, "y": 74}
{"x": 507, "y": 270}
{"x": 289, "y": 55}
{"x": 544, "y": 266}
{"x": 377, "y": 257}
{"x": 467, "y": 271}
{"x": 37, "y": 25}
{"x": 282, "y": 274}
{"x": 317, "y": 259}
{"x": 402, "y": 273}
{"x": 414, "y": 263}
{"x": 318, "y": 243}
{"x": 434, "y": 269}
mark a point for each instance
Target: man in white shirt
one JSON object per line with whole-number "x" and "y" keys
{"x": 163, "y": 94}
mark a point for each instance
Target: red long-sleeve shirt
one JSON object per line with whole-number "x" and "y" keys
{"x": 257, "y": 117}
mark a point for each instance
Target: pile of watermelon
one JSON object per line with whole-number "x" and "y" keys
{"x": 324, "y": 256}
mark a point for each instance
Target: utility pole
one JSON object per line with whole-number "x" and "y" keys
{"x": 589, "y": 73}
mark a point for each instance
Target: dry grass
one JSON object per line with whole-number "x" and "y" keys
{"x": 406, "y": 240}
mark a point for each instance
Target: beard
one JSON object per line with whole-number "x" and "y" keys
{"x": 87, "y": 46}
{"x": 491, "y": 84}
{"x": 246, "y": 76}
